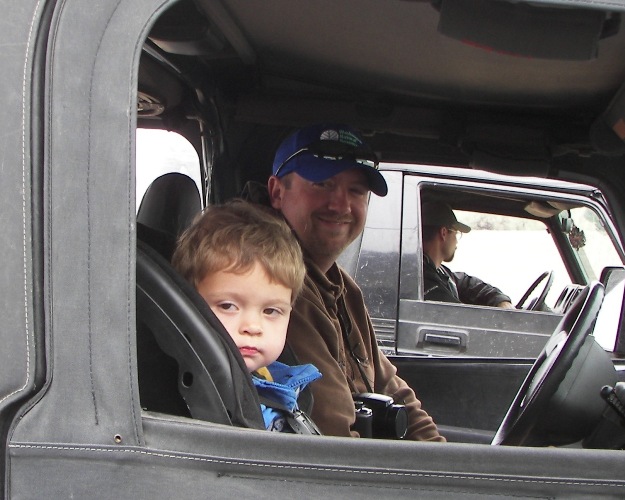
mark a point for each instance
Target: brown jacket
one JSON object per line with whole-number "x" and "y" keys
{"x": 315, "y": 336}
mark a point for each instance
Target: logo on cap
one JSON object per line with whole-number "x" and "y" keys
{"x": 329, "y": 135}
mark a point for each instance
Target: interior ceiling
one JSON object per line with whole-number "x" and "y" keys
{"x": 393, "y": 47}
{"x": 383, "y": 66}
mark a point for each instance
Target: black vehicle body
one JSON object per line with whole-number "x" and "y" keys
{"x": 386, "y": 260}
{"x": 234, "y": 77}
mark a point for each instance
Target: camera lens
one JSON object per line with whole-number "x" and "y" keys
{"x": 399, "y": 416}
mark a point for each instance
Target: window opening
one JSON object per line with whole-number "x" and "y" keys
{"x": 160, "y": 152}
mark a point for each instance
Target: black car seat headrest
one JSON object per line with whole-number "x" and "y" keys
{"x": 168, "y": 207}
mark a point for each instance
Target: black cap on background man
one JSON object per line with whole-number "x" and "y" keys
{"x": 439, "y": 214}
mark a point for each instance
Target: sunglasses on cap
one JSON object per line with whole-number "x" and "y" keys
{"x": 335, "y": 150}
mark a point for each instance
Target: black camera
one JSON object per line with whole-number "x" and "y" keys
{"x": 377, "y": 416}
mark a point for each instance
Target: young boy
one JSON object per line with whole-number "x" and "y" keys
{"x": 248, "y": 266}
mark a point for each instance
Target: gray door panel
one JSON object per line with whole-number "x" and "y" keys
{"x": 453, "y": 329}
{"x": 464, "y": 393}
{"x": 192, "y": 460}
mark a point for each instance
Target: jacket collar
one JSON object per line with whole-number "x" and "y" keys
{"x": 330, "y": 285}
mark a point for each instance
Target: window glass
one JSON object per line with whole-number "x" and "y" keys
{"x": 160, "y": 152}
{"x": 509, "y": 253}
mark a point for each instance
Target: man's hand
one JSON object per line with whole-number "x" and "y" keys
{"x": 506, "y": 305}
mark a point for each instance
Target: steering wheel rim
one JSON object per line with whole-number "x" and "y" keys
{"x": 549, "y": 369}
{"x": 537, "y": 304}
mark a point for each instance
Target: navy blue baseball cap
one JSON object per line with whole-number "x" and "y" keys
{"x": 319, "y": 152}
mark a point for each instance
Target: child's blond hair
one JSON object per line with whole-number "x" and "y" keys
{"x": 235, "y": 236}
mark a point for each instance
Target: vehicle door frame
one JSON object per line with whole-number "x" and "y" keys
{"x": 86, "y": 435}
{"x": 411, "y": 283}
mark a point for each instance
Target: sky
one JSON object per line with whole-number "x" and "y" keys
{"x": 160, "y": 152}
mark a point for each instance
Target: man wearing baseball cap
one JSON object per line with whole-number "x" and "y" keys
{"x": 321, "y": 182}
{"x": 441, "y": 232}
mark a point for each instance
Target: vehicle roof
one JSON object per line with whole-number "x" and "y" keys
{"x": 483, "y": 175}
{"x": 415, "y": 76}
{"x": 396, "y": 49}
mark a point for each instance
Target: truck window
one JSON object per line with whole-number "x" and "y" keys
{"x": 160, "y": 152}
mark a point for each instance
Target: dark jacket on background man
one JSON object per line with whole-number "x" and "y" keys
{"x": 444, "y": 285}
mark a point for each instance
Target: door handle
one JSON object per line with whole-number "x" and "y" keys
{"x": 442, "y": 340}
{"x": 446, "y": 339}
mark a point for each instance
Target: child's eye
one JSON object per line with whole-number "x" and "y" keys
{"x": 272, "y": 311}
{"x": 227, "y": 306}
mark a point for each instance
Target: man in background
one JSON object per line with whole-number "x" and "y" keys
{"x": 441, "y": 232}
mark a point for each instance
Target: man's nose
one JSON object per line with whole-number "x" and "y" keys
{"x": 339, "y": 200}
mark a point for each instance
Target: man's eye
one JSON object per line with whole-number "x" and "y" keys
{"x": 359, "y": 191}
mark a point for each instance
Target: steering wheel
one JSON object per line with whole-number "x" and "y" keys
{"x": 538, "y": 303}
{"x": 519, "y": 426}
